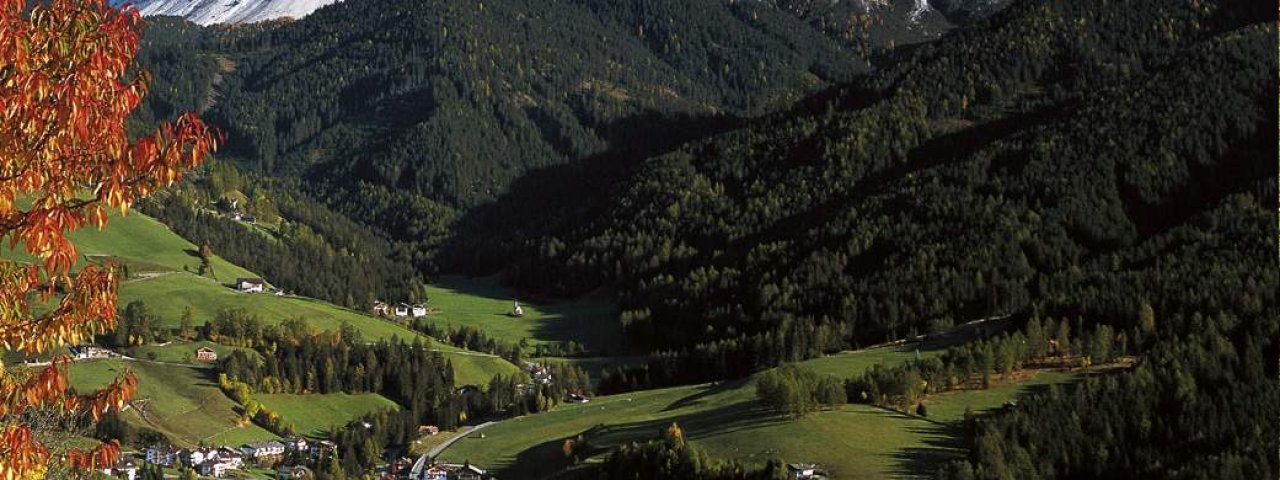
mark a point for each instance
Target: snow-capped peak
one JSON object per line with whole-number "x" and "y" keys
{"x": 209, "y": 12}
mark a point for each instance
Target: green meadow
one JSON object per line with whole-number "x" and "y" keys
{"x": 162, "y": 267}
{"x": 182, "y": 402}
{"x": 314, "y": 415}
{"x": 179, "y": 352}
{"x": 483, "y": 303}
{"x": 850, "y": 441}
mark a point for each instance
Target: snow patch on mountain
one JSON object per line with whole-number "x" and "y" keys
{"x": 209, "y": 12}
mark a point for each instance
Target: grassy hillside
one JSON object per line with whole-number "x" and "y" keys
{"x": 141, "y": 239}
{"x": 313, "y": 415}
{"x": 180, "y": 352}
{"x": 162, "y": 266}
{"x": 852, "y": 441}
{"x": 485, "y": 304}
{"x": 182, "y": 402}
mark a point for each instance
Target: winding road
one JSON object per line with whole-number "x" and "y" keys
{"x": 434, "y": 452}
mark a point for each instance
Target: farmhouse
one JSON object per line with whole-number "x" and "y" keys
{"x": 419, "y": 310}
{"x": 381, "y": 308}
{"x": 250, "y": 285}
{"x": 802, "y": 471}
{"x": 469, "y": 472}
{"x": 426, "y": 469}
{"x": 206, "y": 354}
{"x": 402, "y": 310}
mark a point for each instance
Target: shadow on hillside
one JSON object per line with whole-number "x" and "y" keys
{"x": 547, "y": 457}
{"x": 702, "y": 395}
{"x": 943, "y": 442}
{"x": 544, "y": 200}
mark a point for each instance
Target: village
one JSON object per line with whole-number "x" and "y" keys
{"x": 289, "y": 457}
{"x": 285, "y": 457}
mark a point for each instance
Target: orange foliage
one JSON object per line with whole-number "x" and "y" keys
{"x": 66, "y": 88}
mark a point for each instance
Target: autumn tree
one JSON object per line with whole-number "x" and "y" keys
{"x": 67, "y": 84}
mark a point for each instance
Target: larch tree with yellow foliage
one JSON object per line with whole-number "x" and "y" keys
{"x": 67, "y": 84}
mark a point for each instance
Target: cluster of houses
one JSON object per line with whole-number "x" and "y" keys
{"x": 216, "y": 462}
{"x": 85, "y": 352}
{"x": 540, "y": 374}
{"x": 401, "y": 309}
{"x": 236, "y": 215}
{"x": 425, "y": 468}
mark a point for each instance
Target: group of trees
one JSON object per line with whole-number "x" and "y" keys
{"x": 794, "y": 390}
{"x": 418, "y": 379}
{"x": 672, "y": 457}
{"x": 972, "y": 178}
{"x": 1204, "y": 404}
{"x": 254, "y": 410}
{"x": 972, "y": 365}
{"x": 310, "y": 249}
{"x": 68, "y": 84}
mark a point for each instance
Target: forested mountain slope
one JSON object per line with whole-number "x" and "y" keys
{"x": 400, "y": 112}
{"x": 1064, "y": 158}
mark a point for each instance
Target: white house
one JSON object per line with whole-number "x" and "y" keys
{"x": 518, "y": 311}
{"x": 402, "y": 310}
{"x": 250, "y": 285}
{"x": 215, "y": 469}
{"x": 199, "y": 456}
{"x": 265, "y": 449}
{"x": 381, "y": 308}
{"x": 419, "y": 310}
{"x": 230, "y": 457}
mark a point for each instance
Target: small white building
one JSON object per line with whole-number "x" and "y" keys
{"x": 251, "y": 285}
{"x": 419, "y": 310}
{"x": 125, "y": 469}
{"x": 402, "y": 310}
{"x": 381, "y": 308}
{"x": 215, "y": 469}
{"x": 518, "y": 311}
{"x": 802, "y": 471}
